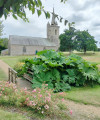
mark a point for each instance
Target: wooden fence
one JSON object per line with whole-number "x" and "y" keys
{"x": 28, "y": 76}
{"x": 12, "y": 76}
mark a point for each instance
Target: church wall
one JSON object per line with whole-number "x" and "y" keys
{"x": 30, "y": 50}
{"x": 51, "y": 47}
{"x": 15, "y": 50}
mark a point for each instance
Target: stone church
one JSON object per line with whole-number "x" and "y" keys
{"x": 23, "y": 45}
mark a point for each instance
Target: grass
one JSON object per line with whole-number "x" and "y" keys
{"x": 85, "y": 95}
{"x": 5, "y": 115}
{"x": 12, "y": 60}
{"x": 3, "y": 76}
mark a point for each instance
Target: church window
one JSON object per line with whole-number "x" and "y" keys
{"x": 24, "y": 49}
{"x": 55, "y": 32}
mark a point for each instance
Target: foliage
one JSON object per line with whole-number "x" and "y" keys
{"x": 59, "y": 72}
{"x": 38, "y": 99}
{"x": 74, "y": 39}
{"x": 18, "y": 68}
{"x": 17, "y": 8}
{"x": 1, "y": 28}
{"x": 85, "y": 41}
{"x": 67, "y": 40}
{"x": 3, "y": 43}
{"x": 41, "y": 101}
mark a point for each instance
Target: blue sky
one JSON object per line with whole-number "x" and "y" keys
{"x": 85, "y": 14}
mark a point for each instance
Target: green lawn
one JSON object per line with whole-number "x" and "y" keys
{"x": 86, "y": 95}
{"x": 3, "y": 77}
{"x": 12, "y": 60}
{"x": 4, "y": 115}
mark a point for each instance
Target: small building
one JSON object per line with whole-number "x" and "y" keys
{"x": 24, "y": 45}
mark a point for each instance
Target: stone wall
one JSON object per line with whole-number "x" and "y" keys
{"x": 30, "y": 50}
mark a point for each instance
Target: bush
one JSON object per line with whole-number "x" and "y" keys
{"x": 59, "y": 72}
{"x": 18, "y": 67}
{"x": 39, "y": 100}
{"x": 42, "y": 101}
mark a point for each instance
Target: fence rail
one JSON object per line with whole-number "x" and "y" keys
{"x": 12, "y": 75}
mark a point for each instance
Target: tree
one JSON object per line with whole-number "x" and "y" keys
{"x": 1, "y": 28}
{"x": 17, "y": 8}
{"x": 3, "y": 44}
{"x": 3, "y": 41}
{"x": 67, "y": 39}
{"x": 85, "y": 41}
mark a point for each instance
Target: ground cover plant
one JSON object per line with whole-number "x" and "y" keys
{"x": 60, "y": 72}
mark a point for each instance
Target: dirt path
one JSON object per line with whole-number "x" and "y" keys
{"x": 83, "y": 112}
{"x": 4, "y": 67}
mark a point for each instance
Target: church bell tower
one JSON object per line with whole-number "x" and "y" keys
{"x": 53, "y": 31}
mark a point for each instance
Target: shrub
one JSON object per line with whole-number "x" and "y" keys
{"x": 59, "y": 72}
{"x": 18, "y": 68}
{"x": 42, "y": 101}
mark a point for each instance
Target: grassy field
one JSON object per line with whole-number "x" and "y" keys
{"x": 3, "y": 77}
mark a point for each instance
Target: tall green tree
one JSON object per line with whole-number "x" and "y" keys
{"x": 3, "y": 41}
{"x": 85, "y": 41}
{"x": 1, "y": 28}
{"x": 3, "y": 44}
{"x": 67, "y": 39}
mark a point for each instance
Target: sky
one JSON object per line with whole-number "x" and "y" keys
{"x": 85, "y": 14}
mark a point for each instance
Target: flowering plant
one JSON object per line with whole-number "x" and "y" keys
{"x": 42, "y": 101}
{"x": 38, "y": 99}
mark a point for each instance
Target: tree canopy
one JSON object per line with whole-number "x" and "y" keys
{"x": 3, "y": 41}
{"x": 75, "y": 39}
{"x": 1, "y": 28}
{"x": 67, "y": 39}
{"x": 17, "y": 8}
{"x": 85, "y": 41}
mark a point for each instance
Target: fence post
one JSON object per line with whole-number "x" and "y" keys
{"x": 9, "y": 79}
{"x": 12, "y": 75}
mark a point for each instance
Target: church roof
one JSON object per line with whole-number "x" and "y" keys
{"x": 31, "y": 41}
